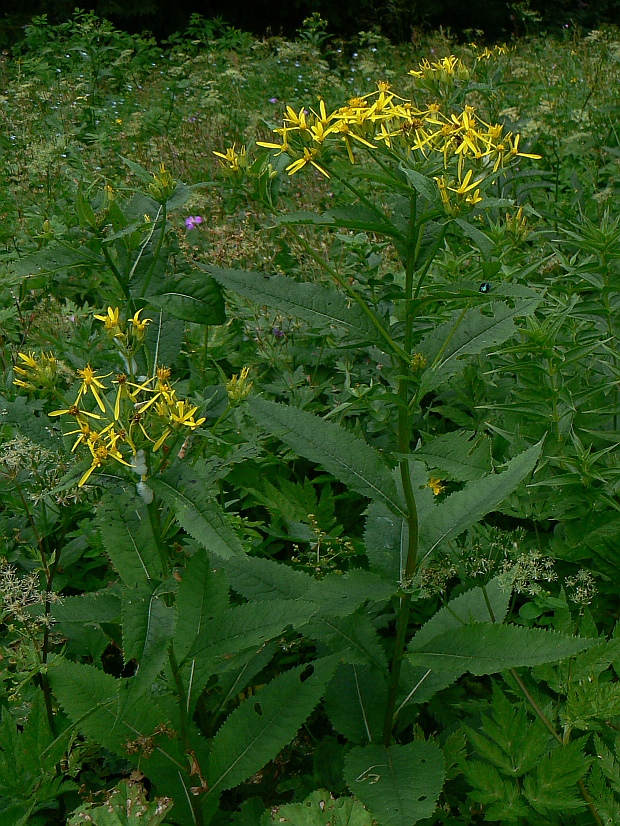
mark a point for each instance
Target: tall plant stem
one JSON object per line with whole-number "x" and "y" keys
{"x": 394, "y": 348}
{"x": 404, "y": 442}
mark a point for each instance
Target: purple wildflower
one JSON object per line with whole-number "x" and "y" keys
{"x": 193, "y": 221}
{"x": 277, "y": 332}
{"x": 273, "y": 100}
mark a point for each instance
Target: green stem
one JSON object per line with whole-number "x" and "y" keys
{"x": 151, "y": 269}
{"x": 115, "y": 271}
{"x": 394, "y": 347}
{"x": 433, "y": 252}
{"x": 404, "y": 442}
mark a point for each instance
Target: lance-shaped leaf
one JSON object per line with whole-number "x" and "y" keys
{"x": 235, "y": 635}
{"x": 56, "y": 258}
{"x": 195, "y": 298}
{"x": 257, "y": 578}
{"x": 351, "y": 217}
{"x": 460, "y": 455}
{"x": 468, "y": 332}
{"x": 148, "y": 627}
{"x": 203, "y": 595}
{"x": 320, "y": 305}
{"x": 355, "y": 702}
{"x": 464, "y": 508}
{"x": 348, "y": 458}
{"x": 400, "y": 784}
{"x": 262, "y": 725}
{"x": 486, "y": 648}
{"x": 125, "y": 527}
{"x": 185, "y": 490}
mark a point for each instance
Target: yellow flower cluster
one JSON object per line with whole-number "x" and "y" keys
{"x": 115, "y": 327}
{"x": 140, "y": 414}
{"x": 38, "y": 373}
{"x": 386, "y": 123}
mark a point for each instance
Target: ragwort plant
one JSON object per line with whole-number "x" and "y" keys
{"x": 158, "y": 629}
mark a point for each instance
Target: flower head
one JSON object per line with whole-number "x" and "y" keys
{"x": 193, "y": 221}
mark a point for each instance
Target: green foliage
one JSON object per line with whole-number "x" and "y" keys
{"x": 295, "y": 452}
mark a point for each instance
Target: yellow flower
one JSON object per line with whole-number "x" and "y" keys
{"x": 184, "y": 415}
{"x": 91, "y": 383}
{"x": 111, "y": 321}
{"x": 232, "y": 158}
{"x": 435, "y": 485}
{"x": 239, "y": 388}
{"x": 308, "y": 157}
{"x": 139, "y": 325}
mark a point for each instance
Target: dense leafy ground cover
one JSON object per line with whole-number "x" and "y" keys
{"x": 308, "y": 459}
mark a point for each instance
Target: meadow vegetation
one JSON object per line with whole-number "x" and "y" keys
{"x": 309, "y": 427}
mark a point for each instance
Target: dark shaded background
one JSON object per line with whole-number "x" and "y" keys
{"x": 396, "y": 19}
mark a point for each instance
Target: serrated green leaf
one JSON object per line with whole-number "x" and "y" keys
{"x": 125, "y": 528}
{"x": 56, "y": 258}
{"x": 354, "y": 638}
{"x": 202, "y": 596}
{"x": 472, "y": 606}
{"x": 501, "y": 796}
{"x": 464, "y": 508}
{"x": 348, "y": 458}
{"x": 400, "y": 784}
{"x": 320, "y": 305}
{"x": 196, "y": 298}
{"x": 262, "y": 725}
{"x": 338, "y": 595}
{"x": 355, "y": 702}
{"x": 421, "y": 183}
{"x": 95, "y": 606}
{"x": 198, "y": 513}
{"x": 321, "y": 809}
{"x": 468, "y": 332}
{"x": 458, "y": 455}
{"x": 148, "y": 628}
{"x": 385, "y": 537}
{"x": 551, "y": 787}
{"x": 257, "y": 578}
{"x": 485, "y": 648}
{"x": 126, "y": 805}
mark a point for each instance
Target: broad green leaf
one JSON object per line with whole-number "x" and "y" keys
{"x": 320, "y": 305}
{"x": 257, "y": 578}
{"x": 95, "y": 606}
{"x": 348, "y": 458}
{"x": 241, "y": 630}
{"x": 422, "y": 184}
{"x": 263, "y": 724}
{"x": 459, "y": 455}
{"x": 321, "y": 809}
{"x": 148, "y": 628}
{"x": 400, "y": 784}
{"x": 185, "y": 490}
{"x": 352, "y": 217}
{"x": 338, "y": 595}
{"x": 56, "y": 258}
{"x": 469, "y": 607}
{"x": 126, "y": 805}
{"x": 485, "y": 648}
{"x": 196, "y": 298}
{"x": 128, "y": 538}
{"x": 464, "y": 508}
{"x": 468, "y": 332}
{"x": 355, "y": 702}
{"x": 386, "y": 538}
{"x": 203, "y": 595}
{"x": 354, "y": 638}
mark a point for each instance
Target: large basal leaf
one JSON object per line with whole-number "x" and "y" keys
{"x": 467, "y": 333}
{"x": 472, "y": 606}
{"x": 355, "y": 702}
{"x": 354, "y": 638}
{"x": 196, "y": 511}
{"x": 202, "y": 595}
{"x": 148, "y": 628}
{"x": 321, "y": 809}
{"x": 125, "y": 527}
{"x": 320, "y": 305}
{"x": 386, "y": 537}
{"x": 459, "y": 455}
{"x": 195, "y": 298}
{"x": 486, "y": 648}
{"x": 464, "y": 508}
{"x": 239, "y": 630}
{"x": 266, "y": 722}
{"x": 400, "y": 784}
{"x": 257, "y": 578}
{"x": 348, "y": 458}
